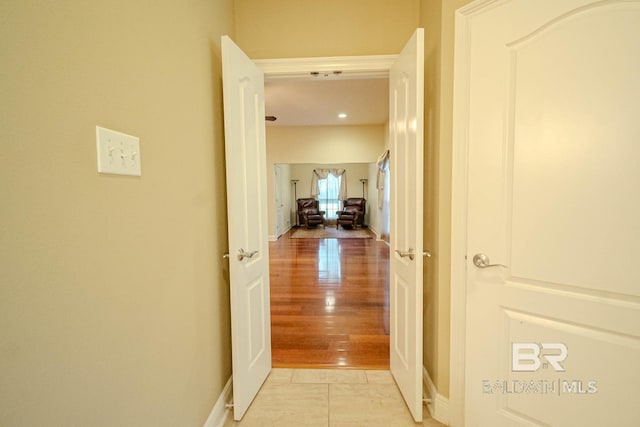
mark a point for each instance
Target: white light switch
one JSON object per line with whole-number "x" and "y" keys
{"x": 118, "y": 153}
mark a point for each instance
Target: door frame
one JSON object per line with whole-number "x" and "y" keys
{"x": 351, "y": 66}
{"x": 459, "y": 208}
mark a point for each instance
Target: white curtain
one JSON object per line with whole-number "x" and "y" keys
{"x": 383, "y": 168}
{"x": 319, "y": 174}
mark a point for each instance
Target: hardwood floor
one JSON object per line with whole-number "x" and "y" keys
{"x": 329, "y": 303}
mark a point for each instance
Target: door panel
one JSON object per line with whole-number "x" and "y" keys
{"x": 245, "y": 148}
{"x": 567, "y": 136}
{"x": 553, "y": 202}
{"x": 406, "y": 85}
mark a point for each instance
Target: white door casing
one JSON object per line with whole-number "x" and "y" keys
{"x": 245, "y": 148}
{"x": 406, "y": 106}
{"x": 546, "y": 183}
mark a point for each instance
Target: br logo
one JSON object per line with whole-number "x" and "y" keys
{"x": 529, "y": 356}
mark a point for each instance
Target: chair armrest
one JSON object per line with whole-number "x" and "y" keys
{"x": 306, "y": 213}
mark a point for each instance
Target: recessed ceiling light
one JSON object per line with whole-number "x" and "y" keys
{"x": 342, "y": 115}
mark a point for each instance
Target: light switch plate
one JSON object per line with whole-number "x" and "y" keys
{"x": 118, "y": 153}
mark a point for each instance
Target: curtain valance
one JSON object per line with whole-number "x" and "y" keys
{"x": 319, "y": 174}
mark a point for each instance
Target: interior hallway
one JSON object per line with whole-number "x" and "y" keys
{"x": 330, "y": 397}
{"x": 329, "y": 303}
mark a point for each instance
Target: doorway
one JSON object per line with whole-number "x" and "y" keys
{"x": 329, "y": 296}
{"x": 405, "y": 133}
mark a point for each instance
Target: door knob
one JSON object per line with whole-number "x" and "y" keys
{"x": 408, "y": 253}
{"x": 242, "y": 254}
{"x": 482, "y": 261}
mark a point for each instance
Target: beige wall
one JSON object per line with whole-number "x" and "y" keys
{"x": 437, "y": 16}
{"x": 434, "y": 361}
{"x": 290, "y": 29}
{"x": 325, "y": 144}
{"x": 113, "y": 294}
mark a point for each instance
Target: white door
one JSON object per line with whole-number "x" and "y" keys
{"x": 243, "y": 86}
{"x": 547, "y": 104}
{"x": 278, "y": 185}
{"x": 406, "y": 93}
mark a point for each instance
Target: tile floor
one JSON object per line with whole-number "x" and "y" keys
{"x": 329, "y": 398}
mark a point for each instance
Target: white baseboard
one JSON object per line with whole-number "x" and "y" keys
{"x": 273, "y": 238}
{"x": 374, "y": 232}
{"x": 220, "y": 412}
{"x": 439, "y": 405}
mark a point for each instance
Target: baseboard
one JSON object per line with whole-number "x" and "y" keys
{"x": 438, "y": 405}
{"x": 220, "y": 412}
{"x": 273, "y": 237}
{"x": 372, "y": 229}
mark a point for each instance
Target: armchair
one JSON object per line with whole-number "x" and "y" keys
{"x": 352, "y": 213}
{"x": 309, "y": 214}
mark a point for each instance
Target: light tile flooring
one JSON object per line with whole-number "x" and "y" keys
{"x": 329, "y": 398}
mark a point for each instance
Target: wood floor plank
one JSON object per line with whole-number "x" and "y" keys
{"x": 329, "y": 303}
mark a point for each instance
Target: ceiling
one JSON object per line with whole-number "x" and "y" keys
{"x": 317, "y": 101}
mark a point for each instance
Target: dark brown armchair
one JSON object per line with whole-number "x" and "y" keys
{"x": 352, "y": 213}
{"x": 308, "y": 213}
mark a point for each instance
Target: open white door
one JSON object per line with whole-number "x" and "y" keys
{"x": 406, "y": 93}
{"x": 243, "y": 85}
{"x": 547, "y": 105}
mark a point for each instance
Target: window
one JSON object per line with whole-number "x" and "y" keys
{"x": 328, "y": 198}
{"x": 329, "y": 187}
